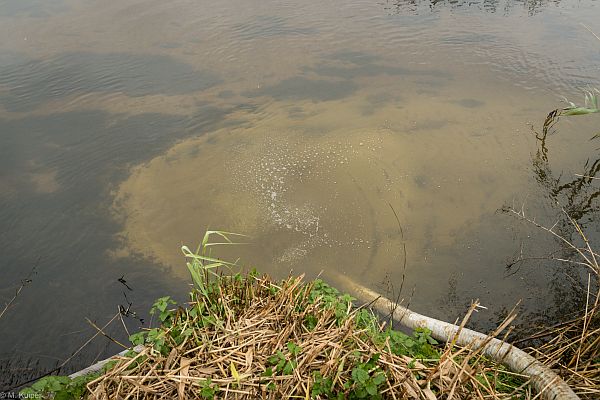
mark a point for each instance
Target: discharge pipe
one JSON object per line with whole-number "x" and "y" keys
{"x": 543, "y": 379}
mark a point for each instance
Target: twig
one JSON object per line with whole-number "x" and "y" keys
{"x": 57, "y": 369}
{"x": 24, "y": 282}
{"x": 591, "y": 31}
{"x": 586, "y": 176}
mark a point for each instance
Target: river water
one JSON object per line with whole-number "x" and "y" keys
{"x": 129, "y": 128}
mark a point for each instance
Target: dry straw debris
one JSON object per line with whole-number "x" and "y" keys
{"x": 572, "y": 347}
{"x": 246, "y": 337}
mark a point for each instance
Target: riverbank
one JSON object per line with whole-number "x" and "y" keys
{"x": 247, "y": 336}
{"x": 251, "y": 337}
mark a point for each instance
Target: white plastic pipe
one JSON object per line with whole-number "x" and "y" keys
{"x": 97, "y": 367}
{"x": 543, "y": 379}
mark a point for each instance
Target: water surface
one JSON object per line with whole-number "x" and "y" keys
{"x": 127, "y": 130}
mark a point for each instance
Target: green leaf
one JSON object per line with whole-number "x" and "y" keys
{"x": 371, "y": 388}
{"x": 281, "y": 364}
{"x": 288, "y": 368}
{"x": 164, "y": 316}
{"x": 578, "y": 111}
{"x": 293, "y": 348}
{"x": 361, "y": 392}
{"x": 62, "y": 395}
{"x": 310, "y": 322}
{"x": 379, "y": 379}
{"x": 373, "y": 360}
{"x": 207, "y": 391}
{"x": 360, "y": 375}
{"x": 40, "y": 385}
{"x": 161, "y": 304}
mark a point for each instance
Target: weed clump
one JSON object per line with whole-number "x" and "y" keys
{"x": 247, "y": 336}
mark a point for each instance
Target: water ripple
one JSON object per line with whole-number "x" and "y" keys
{"x": 37, "y": 81}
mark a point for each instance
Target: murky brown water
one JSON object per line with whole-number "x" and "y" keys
{"x": 128, "y": 129}
{"x": 313, "y": 191}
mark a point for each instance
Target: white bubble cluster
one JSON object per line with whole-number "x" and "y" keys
{"x": 277, "y": 173}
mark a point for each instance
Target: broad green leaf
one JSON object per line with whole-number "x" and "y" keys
{"x": 371, "y": 388}
{"x": 360, "y": 375}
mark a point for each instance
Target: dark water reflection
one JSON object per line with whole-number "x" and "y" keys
{"x": 54, "y": 209}
{"x": 574, "y": 188}
{"x": 567, "y": 202}
{"x": 126, "y": 129}
{"x": 492, "y": 6}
